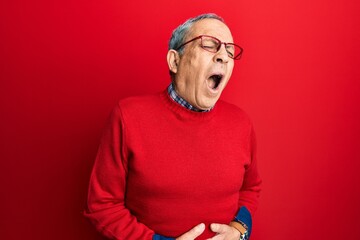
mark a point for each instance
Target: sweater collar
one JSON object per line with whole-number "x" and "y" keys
{"x": 185, "y": 113}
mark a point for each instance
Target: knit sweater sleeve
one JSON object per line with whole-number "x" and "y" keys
{"x": 249, "y": 192}
{"x": 106, "y": 206}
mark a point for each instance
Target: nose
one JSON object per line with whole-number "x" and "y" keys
{"x": 222, "y": 56}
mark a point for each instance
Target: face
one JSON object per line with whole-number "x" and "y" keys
{"x": 201, "y": 76}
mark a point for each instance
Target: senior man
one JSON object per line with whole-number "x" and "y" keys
{"x": 180, "y": 164}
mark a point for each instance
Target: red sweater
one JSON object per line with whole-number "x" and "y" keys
{"x": 163, "y": 168}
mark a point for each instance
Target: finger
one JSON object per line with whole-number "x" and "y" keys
{"x": 193, "y": 233}
{"x": 217, "y": 237}
{"x": 219, "y": 228}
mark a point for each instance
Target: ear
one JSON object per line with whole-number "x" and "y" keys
{"x": 173, "y": 60}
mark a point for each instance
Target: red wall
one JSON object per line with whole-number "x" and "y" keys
{"x": 64, "y": 64}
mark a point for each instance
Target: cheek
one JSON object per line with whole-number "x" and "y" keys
{"x": 231, "y": 67}
{"x": 229, "y": 73}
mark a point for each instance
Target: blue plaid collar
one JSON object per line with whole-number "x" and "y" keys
{"x": 174, "y": 96}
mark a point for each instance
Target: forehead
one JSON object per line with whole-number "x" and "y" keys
{"x": 212, "y": 27}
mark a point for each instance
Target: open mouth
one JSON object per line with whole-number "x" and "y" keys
{"x": 215, "y": 80}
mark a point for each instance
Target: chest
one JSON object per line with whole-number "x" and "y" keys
{"x": 179, "y": 162}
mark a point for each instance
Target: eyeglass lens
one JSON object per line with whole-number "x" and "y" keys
{"x": 213, "y": 45}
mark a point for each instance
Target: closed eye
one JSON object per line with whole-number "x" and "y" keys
{"x": 231, "y": 54}
{"x": 209, "y": 47}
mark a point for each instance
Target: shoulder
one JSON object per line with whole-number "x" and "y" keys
{"x": 231, "y": 111}
{"x": 138, "y": 101}
{"x": 139, "y": 106}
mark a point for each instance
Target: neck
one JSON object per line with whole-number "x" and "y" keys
{"x": 180, "y": 100}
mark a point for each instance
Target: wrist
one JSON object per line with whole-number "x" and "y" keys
{"x": 243, "y": 217}
{"x": 242, "y": 228}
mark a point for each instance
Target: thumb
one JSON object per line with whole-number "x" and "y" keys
{"x": 193, "y": 233}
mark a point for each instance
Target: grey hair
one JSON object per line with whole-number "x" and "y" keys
{"x": 179, "y": 34}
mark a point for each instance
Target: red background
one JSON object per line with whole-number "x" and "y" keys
{"x": 64, "y": 64}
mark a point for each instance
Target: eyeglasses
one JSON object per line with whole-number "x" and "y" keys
{"x": 212, "y": 44}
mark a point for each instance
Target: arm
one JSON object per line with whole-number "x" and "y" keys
{"x": 248, "y": 199}
{"x": 250, "y": 190}
{"x": 106, "y": 202}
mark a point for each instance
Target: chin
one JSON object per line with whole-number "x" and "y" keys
{"x": 206, "y": 100}
{"x": 208, "y": 105}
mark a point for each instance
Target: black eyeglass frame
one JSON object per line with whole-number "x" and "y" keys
{"x": 237, "y": 57}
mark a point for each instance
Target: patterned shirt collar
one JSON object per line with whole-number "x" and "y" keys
{"x": 174, "y": 96}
